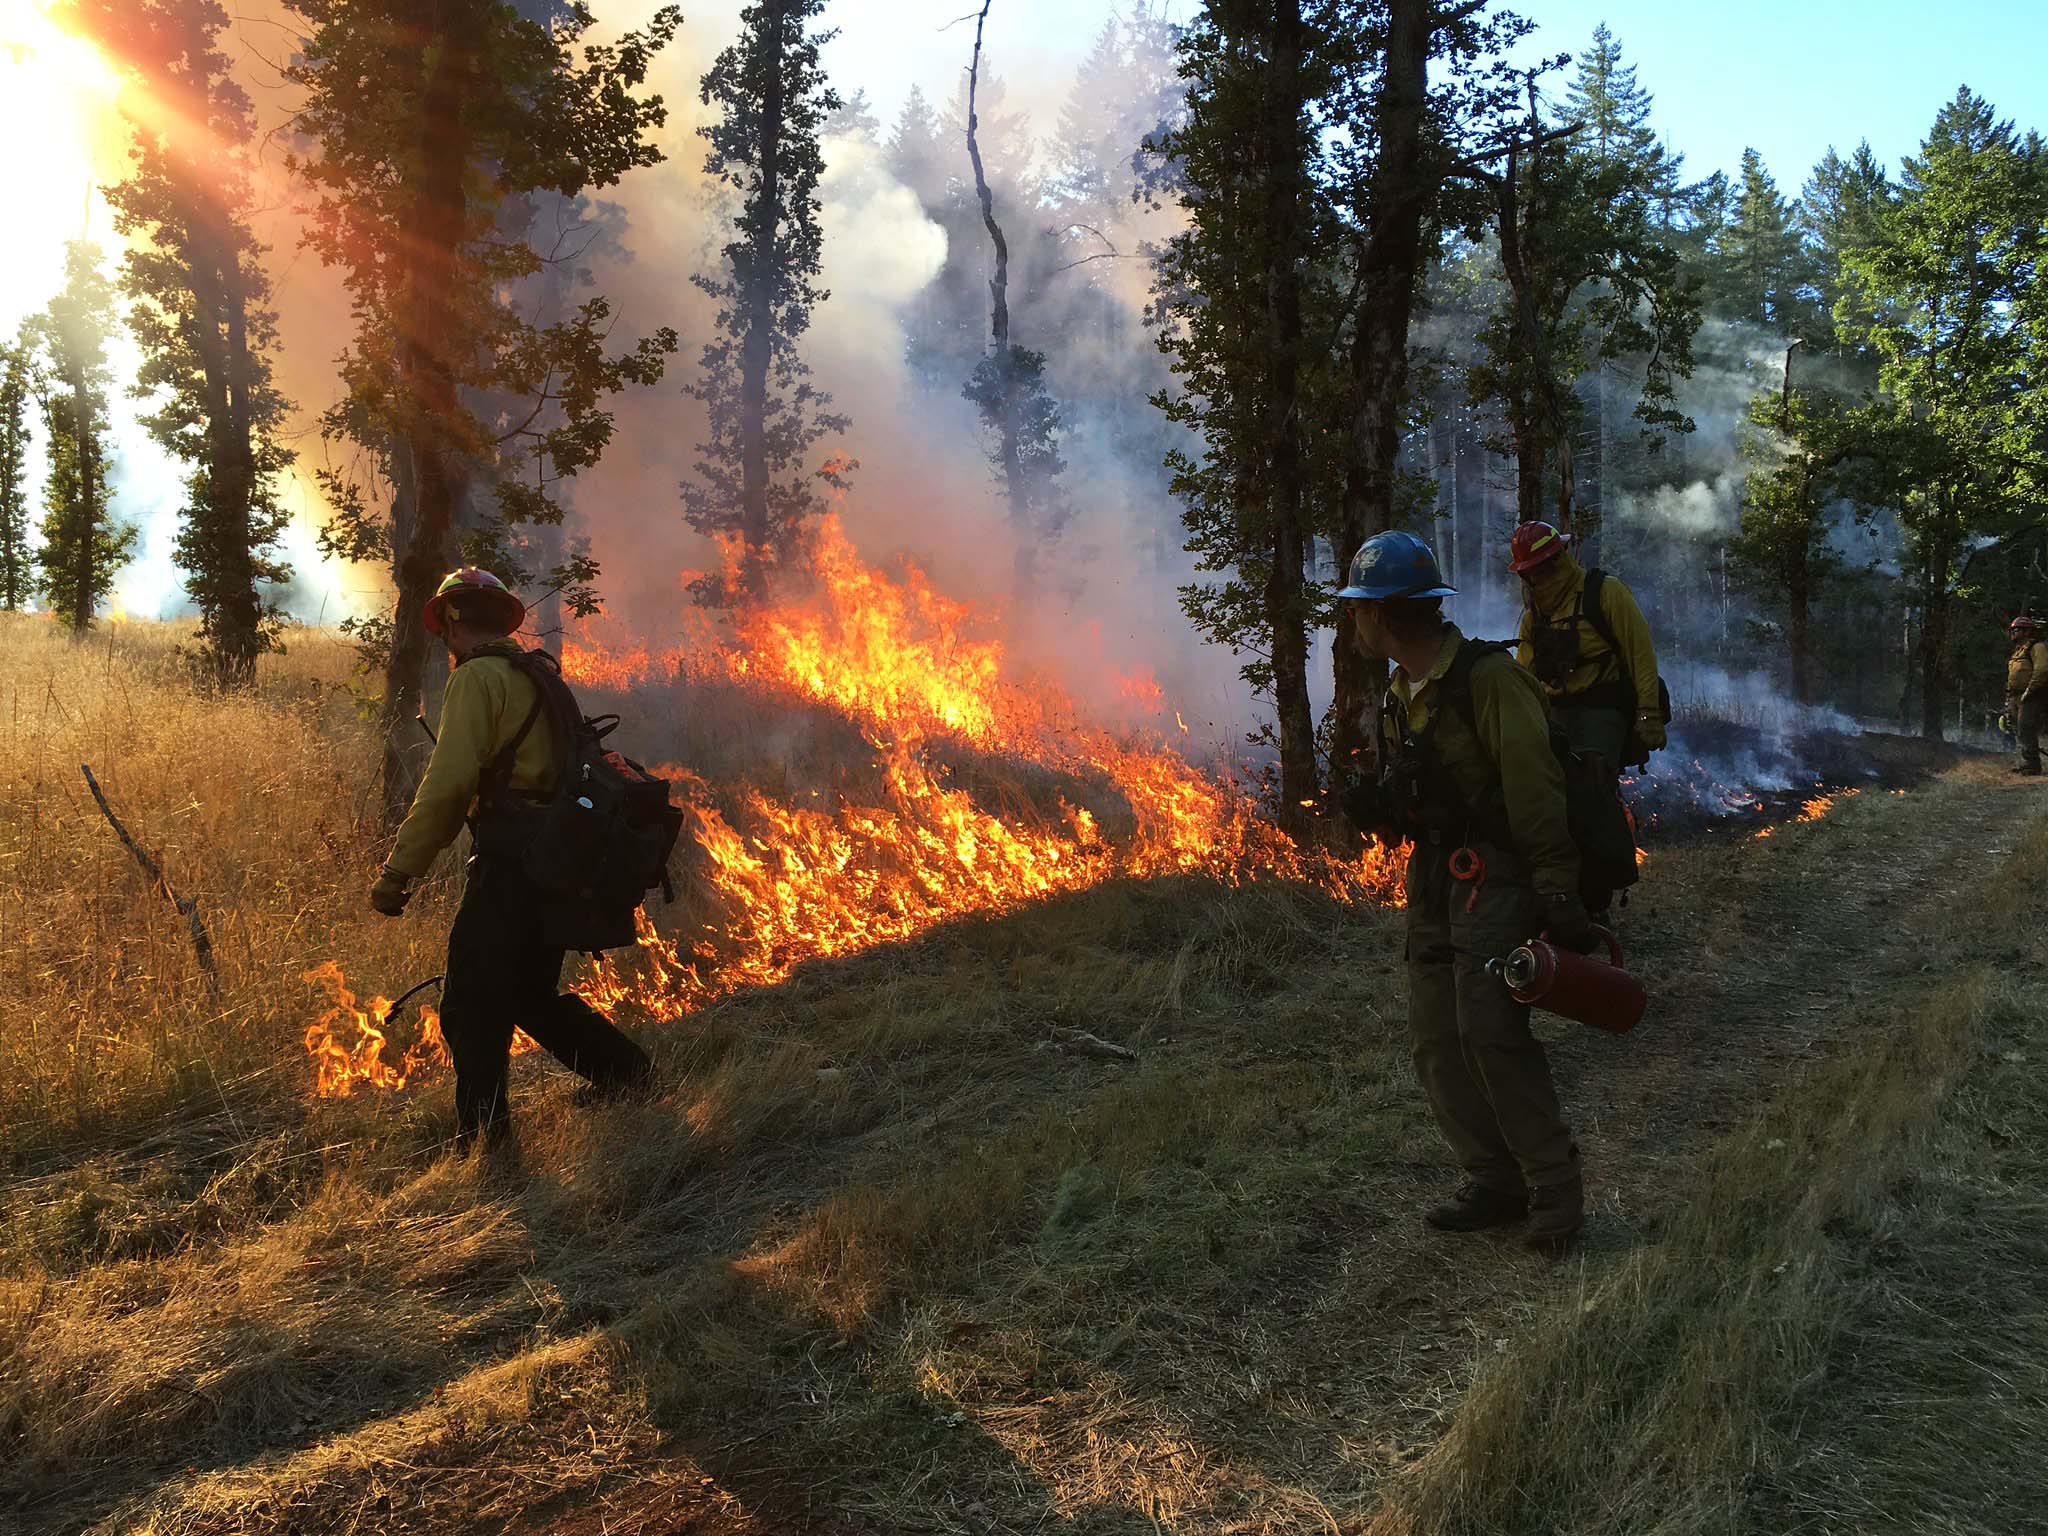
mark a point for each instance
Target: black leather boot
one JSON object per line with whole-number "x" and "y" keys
{"x": 1476, "y": 1207}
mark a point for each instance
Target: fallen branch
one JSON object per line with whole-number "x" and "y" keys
{"x": 202, "y": 946}
{"x": 1079, "y": 1042}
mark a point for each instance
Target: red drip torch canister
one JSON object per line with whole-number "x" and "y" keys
{"x": 1580, "y": 987}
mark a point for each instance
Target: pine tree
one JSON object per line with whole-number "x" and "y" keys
{"x": 1238, "y": 294}
{"x": 425, "y": 121}
{"x": 1763, "y": 272}
{"x": 16, "y": 558}
{"x": 1841, "y": 211}
{"x": 1614, "y": 111}
{"x": 82, "y": 545}
{"x": 916, "y": 156}
{"x": 764, "y": 414}
{"x": 1093, "y": 141}
{"x": 853, "y": 118}
{"x": 201, "y": 314}
{"x": 1946, "y": 287}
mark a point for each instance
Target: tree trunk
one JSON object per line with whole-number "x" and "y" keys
{"x": 433, "y": 240}
{"x": 1934, "y": 615}
{"x": 1389, "y": 267}
{"x": 758, "y": 343}
{"x": 84, "y": 576}
{"x": 242, "y": 610}
{"x": 1538, "y": 417}
{"x": 220, "y": 337}
{"x": 1285, "y": 616}
{"x": 1798, "y": 600}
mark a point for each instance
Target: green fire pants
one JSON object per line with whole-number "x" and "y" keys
{"x": 1485, "y": 1074}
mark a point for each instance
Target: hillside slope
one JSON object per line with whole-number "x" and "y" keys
{"x": 906, "y": 1243}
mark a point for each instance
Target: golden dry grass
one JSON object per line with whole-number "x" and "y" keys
{"x": 879, "y": 1255}
{"x": 257, "y": 808}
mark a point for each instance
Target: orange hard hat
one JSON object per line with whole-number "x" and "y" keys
{"x": 477, "y": 597}
{"x": 1534, "y": 543}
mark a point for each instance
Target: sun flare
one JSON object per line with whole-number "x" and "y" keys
{"x": 60, "y": 116}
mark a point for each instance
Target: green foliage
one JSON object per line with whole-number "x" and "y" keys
{"x": 521, "y": 107}
{"x": 764, "y": 416}
{"x": 1210, "y": 301}
{"x": 82, "y": 546}
{"x": 1841, "y": 210}
{"x": 1942, "y": 296}
{"x": 1601, "y": 281}
{"x": 1008, "y": 389}
{"x": 1763, "y": 273}
{"x": 200, "y": 313}
{"x": 16, "y": 559}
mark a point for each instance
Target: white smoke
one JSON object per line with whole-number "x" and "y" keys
{"x": 1701, "y": 509}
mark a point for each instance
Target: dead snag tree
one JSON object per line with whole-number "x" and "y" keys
{"x": 424, "y": 118}
{"x": 201, "y": 314}
{"x": 1236, "y": 294}
{"x": 1007, "y": 386}
{"x": 82, "y": 545}
{"x": 763, "y": 413}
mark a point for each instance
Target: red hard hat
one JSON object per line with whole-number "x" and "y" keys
{"x": 2023, "y": 624}
{"x": 1534, "y": 543}
{"x": 478, "y": 598}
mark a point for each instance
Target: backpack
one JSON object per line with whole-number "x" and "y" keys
{"x": 1589, "y": 605}
{"x": 601, "y": 840}
{"x": 1595, "y": 814}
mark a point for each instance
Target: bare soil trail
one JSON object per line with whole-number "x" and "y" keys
{"x": 898, "y": 1251}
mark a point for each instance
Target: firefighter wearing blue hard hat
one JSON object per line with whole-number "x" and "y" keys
{"x": 1468, "y": 778}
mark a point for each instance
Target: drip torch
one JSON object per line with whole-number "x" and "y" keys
{"x": 1583, "y": 988}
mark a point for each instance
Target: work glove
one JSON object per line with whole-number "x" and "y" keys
{"x": 1568, "y": 923}
{"x": 389, "y": 894}
{"x": 2004, "y": 726}
{"x": 1650, "y": 731}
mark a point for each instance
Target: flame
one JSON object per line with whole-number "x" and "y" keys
{"x": 776, "y": 881}
{"x": 1813, "y": 809}
{"x": 347, "y": 1044}
{"x": 792, "y": 882}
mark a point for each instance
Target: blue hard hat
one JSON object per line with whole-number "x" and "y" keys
{"x": 1395, "y": 565}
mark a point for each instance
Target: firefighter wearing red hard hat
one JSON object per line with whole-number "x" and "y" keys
{"x": 2026, "y": 688}
{"x": 1468, "y": 778}
{"x": 1586, "y": 640}
{"x": 496, "y": 743}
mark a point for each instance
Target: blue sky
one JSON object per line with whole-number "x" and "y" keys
{"x": 1790, "y": 77}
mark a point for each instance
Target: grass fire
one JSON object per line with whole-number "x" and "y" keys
{"x": 1198, "y": 767}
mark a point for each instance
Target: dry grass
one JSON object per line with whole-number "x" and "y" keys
{"x": 878, "y": 1256}
{"x": 1844, "y": 1329}
{"x": 256, "y": 806}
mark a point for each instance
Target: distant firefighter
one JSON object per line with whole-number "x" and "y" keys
{"x": 2026, "y": 686}
{"x": 1587, "y": 641}
{"x": 495, "y": 764}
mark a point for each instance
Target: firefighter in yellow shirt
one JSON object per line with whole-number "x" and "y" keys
{"x": 1595, "y": 660}
{"x": 2026, "y": 686}
{"x": 1467, "y": 774}
{"x": 496, "y": 745}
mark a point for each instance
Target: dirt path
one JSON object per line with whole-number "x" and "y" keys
{"x": 1768, "y": 969}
